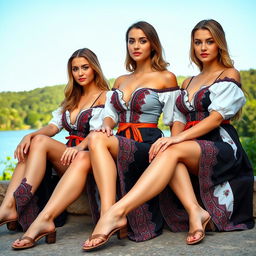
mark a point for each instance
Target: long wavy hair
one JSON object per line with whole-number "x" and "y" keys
{"x": 157, "y": 60}
{"x": 73, "y": 91}
{"x": 219, "y": 37}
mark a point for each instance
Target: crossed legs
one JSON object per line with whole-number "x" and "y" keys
{"x": 172, "y": 164}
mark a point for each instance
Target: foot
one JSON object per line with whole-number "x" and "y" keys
{"x": 39, "y": 226}
{"x": 197, "y": 223}
{"x": 8, "y": 213}
{"x": 110, "y": 221}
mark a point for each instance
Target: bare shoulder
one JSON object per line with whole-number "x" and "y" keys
{"x": 231, "y": 73}
{"x": 120, "y": 80}
{"x": 186, "y": 82}
{"x": 102, "y": 98}
{"x": 169, "y": 79}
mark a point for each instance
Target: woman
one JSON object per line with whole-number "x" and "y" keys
{"x": 135, "y": 104}
{"x": 80, "y": 112}
{"x": 208, "y": 146}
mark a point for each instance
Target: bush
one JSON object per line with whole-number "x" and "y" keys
{"x": 9, "y": 166}
{"x": 249, "y": 145}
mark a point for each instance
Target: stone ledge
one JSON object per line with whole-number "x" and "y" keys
{"x": 81, "y": 205}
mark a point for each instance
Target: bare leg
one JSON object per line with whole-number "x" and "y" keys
{"x": 41, "y": 149}
{"x": 67, "y": 190}
{"x": 182, "y": 187}
{"x": 8, "y": 207}
{"x": 103, "y": 153}
{"x": 147, "y": 187}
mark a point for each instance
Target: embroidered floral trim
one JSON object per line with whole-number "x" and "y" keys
{"x": 220, "y": 215}
{"x": 26, "y": 204}
{"x": 139, "y": 219}
{"x": 98, "y": 106}
{"x": 92, "y": 192}
{"x": 115, "y": 101}
{"x": 138, "y": 100}
{"x": 201, "y": 102}
{"x": 170, "y": 89}
{"x": 228, "y": 79}
{"x": 176, "y": 219}
{"x": 83, "y": 123}
{"x": 65, "y": 123}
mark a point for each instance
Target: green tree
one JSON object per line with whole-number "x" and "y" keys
{"x": 32, "y": 118}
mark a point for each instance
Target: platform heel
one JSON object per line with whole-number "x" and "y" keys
{"x": 50, "y": 238}
{"x": 12, "y": 225}
{"x": 122, "y": 233}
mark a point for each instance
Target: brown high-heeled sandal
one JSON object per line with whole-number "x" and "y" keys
{"x": 202, "y": 231}
{"x": 12, "y": 225}
{"x": 121, "y": 233}
{"x": 50, "y": 238}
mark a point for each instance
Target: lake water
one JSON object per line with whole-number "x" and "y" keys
{"x": 10, "y": 140}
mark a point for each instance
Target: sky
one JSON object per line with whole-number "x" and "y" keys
{"x": 38, "y": 36}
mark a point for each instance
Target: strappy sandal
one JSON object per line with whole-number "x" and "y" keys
{"x": 121, "y": 233}
{"x": 12, "y": 225}
{"x": 201, "y": 231}
{"x": 50, "y": 238}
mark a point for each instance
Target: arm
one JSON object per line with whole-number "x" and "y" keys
{"x": 110, "y": 114}
{"x": 95, "y": 122}
{"x": 206, "y": 125}
{"x": 177, "y": 128}
{"x": 172, "y": 116}
{"x": 70, "y": 152}
{"x": 203, "y": 127}
{"x": 226, "y": 100}
{"x": 107, "y": 126}
{"x": 48, "y": 130}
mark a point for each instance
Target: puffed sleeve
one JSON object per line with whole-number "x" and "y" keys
{"x": 226, "y": 98}
{"x": 168, "y": 100}
{"x": 57, "y": 118}
{"x": 97, "y": 118}
{"x": 178, "y": 116}
{"x": 109, "y": 110}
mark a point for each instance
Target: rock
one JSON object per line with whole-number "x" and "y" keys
{"x": 3, "y": 187}
{"x": 80, "y": 206}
